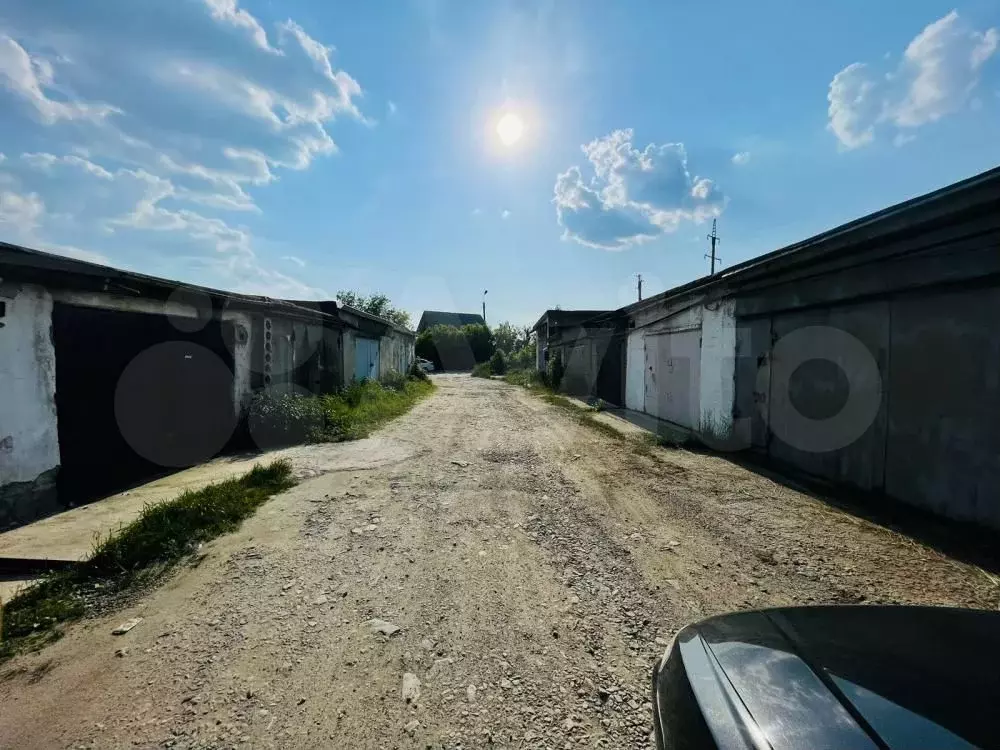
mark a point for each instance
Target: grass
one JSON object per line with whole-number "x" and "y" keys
{"x": 482, "y": 370}
{"x": 531, "y": 379}
{"x": 137, "y": 554}
{"x": 364, "y": 407}
{"x": 350, "y": 414}
{"x": 585, "y": 415}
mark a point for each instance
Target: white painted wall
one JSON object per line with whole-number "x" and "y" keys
{"x": 635, "y": 364}
{"x": 29, "y": 436}
{"x": 242, "y": 352}
{"x": 718, "y": 369}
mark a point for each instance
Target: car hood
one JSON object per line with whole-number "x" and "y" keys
{"x": 849, "y": 677}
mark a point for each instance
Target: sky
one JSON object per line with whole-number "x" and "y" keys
{"x": 301, "y": 147}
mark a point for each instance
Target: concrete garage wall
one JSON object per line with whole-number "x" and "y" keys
{"x": 718, "y": 370}
{"x": 396, "y": 353}
{"x": 29, "y": 438}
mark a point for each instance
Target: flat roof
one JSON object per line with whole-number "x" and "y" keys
{"x": 63, "y": 272}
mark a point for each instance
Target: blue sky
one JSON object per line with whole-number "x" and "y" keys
{"x": 299, "y": 147}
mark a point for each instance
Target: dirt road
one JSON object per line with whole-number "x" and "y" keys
{"x": 536, "y": 567}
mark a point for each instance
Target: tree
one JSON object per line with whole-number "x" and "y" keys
{"x": 375, "y": 304}
{"x": 507, "y": 337}
{"x": 453, "y": 348}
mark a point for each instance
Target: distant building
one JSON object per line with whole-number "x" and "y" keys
{"x": 431, "y": 318}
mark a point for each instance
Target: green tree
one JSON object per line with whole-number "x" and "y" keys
{"x": 452, "y": 348}
{"x": 375, "y": 304}
{"x": 506, "y": 337}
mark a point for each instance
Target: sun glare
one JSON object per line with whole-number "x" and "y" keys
{"x": 510, "y": 128}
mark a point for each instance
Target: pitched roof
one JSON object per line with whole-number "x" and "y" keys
{"x": 438, "y": 318}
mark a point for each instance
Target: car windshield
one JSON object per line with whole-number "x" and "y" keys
{"x": 411, "y": 373}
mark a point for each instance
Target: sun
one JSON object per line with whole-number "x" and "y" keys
{"x": 510, "y": 128}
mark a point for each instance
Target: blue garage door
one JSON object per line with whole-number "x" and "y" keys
{"x": 365, "y": 358}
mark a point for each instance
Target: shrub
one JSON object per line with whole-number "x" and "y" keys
{"x": 393, "y": 380}
{"x": 523, "y": 358}
{"x": 526, "y": 378}
{"x": 556, "y": 370}
{"x": 498, "y": 365}
{"x": 283, "y": 419}
{"x": 416, "y": 373}
{"x": 482, "y": 370}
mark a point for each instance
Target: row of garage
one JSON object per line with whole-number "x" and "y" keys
{"x": 867, "y": 356}
{"x": 111, "y": 378}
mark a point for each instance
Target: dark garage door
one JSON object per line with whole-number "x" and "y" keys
{"x": 943, "y": 449}
{"x": 136, "y": 397}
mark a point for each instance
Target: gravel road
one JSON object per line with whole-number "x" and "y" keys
{"x": 535, "y": 568}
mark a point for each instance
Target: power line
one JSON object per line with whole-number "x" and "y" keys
{"x": 714, "y": 237}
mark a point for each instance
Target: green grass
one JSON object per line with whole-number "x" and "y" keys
{"x": 525, "y": 378}
{"x": 482, "y": 370}
{"x": 346, "y": 415}
{"x": 136, "y": 554}
{"x": 366, "y": 406}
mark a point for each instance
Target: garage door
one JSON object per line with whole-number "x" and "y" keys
{"x": 827, "y": 367}
{"x": 943, "y": 450}
{"x": 673, "y": 365}
{"x": 366, "y": 352}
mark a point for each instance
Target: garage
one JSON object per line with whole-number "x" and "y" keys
{"x": 137, "y": 396}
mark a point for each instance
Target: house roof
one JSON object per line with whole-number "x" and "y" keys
{"x": 438, "y": 318}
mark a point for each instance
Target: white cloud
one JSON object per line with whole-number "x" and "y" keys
{"x": 634, "y": 196}
{"x": 391, "y": 108}
{"x": 214, "y": 107}
{"x": 228, "y": 11}
{"x": 28, "y": 78}
{"x": 504, "y": 214}
{"x": 741, "y": 158}
{"x": 20, "y": 212}
{"x": 477, "y": 212}
{"x": 45, "y": 162}
{"x": 294, "y": 259}
{"x": 936, "y": 77}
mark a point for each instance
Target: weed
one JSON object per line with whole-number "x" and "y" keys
{"x": 525, "y": 378}
{"x": 482, "y": 370}
{"x": 498, "y": 363}
{"x": 347, "y": 415}
{"x": 138, "y": 552}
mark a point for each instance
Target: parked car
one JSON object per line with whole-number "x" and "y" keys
{"x": 862, "y": 677}
{"x": 425, "y": 364}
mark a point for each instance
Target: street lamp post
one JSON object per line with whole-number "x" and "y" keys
{"x": 484, "y": 304}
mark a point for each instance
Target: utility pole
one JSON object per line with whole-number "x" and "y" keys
{"x": 484, "y": 304}
{"x": 714, "y": 237}
{"x": 639, "y": 277}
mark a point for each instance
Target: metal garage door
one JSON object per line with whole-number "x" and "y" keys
{"x": 673, "y": 365}
{"x": 826, "y": 365}
{"x": 943, "y": 450}
{"x": 366, "y": 352}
